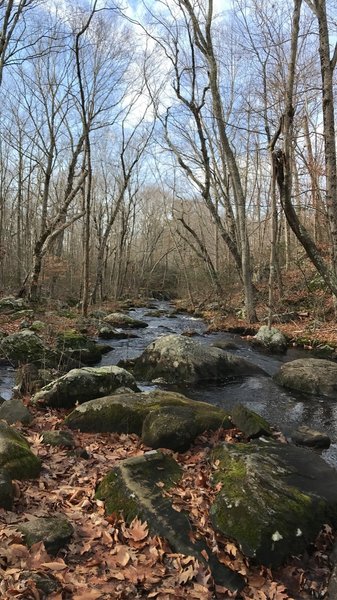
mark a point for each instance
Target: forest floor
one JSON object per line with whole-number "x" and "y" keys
{"x": 305, "y": 312}
{"x": 109, "y": 559}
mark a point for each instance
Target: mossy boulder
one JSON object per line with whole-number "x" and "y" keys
{"x": 138, "y": 413}
{"x": 11, "y": 304}
{"x": 79, "y": 347}
{"x": 309, "y": 376}
{"x": 178, "y": 359}
{"x": 6, "y": 490}
{"x": 124, "y": 321}
{"x": 176, "y": 427}
{"x": 54, "y": 532}
{"x": 249, "y": 422}
{"x": 15, "y": 455}
{"x": 25, "y": 347}
{"x": 270, "y": 339}
{"x": 38, "y": 326}
{"x": 274, "y": 498}
{"x": 135, "y": 488}
{"x": 81, "y": 385}
{"x": 13, "y": 411}
{"x": 59, "y": 438}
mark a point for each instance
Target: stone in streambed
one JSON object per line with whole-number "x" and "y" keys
{"x": 178, "y": 359}
{"x": 25, "y": 347}
{"x": 270, "y": 339}
{"x": 249, "y": 422}
{"x": 123, "y": 321}
{"x": 81, "y": 385}
{"x": 163, "y": 419}
{"x": 309, "y": 376}
{"x": 305, "y": 436}
{"x": 59, "y": 438}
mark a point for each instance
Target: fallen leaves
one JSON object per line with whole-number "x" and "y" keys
{"x": 108, "y": 558}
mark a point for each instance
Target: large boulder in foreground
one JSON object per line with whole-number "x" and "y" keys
{"x": 178, "y": 359}
{"x": 274, "y": 498}
{"x": 135, "y": 488}
{"x": 270, "y": 339}
{"x": 163, "y": 419}
{"x": 81, "y": 385}
{"x": 15, "y": 455}
{"x": 124, "y": 321}
{"x": 310, "y": 376}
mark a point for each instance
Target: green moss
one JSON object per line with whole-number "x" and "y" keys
{"x": 125, "y": 413}
{"x": 16, "y": 456}
{"x": 258, "y": 508}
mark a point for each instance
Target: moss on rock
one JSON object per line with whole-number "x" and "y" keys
{"x": 127, "y": 413}
{"x": 249, "y": 422}
{"x": 81, "y": 385}
{"x": 132, "y": 489}
{"x": 178, "y": 359}
{"x": 16, "y": 456}
{"x": 25, "y": 347}
{"x": 54, "y": 532}
{"x": 310, "y": 376}
{"x": 274, "y": 498}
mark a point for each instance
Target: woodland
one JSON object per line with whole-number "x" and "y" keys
{"x": 180, "y": 150}
{"x": 179, "y": 146}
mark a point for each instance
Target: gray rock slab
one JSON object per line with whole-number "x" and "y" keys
{"x": 132, "y": 488}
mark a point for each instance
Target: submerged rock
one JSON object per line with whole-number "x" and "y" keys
{"x": 310, "y": 376}
{"x": 15, "y": 454}
{"x": 178, "y": 359}
{"x": 124, "y": 321}
{"x": 163, "y": 419}
{"x": 270, "y": 339}
{"x": 274, "y": 498}
{"x": 81, "y": 385}
{"x": 54, "y": 532}
{"x": 132, "y": 488}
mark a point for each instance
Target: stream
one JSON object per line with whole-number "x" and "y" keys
{"x": 284, "y": 409}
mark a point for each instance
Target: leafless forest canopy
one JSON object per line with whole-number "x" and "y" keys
{"x": 185, "y": 146}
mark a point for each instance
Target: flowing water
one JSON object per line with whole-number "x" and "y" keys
{"x": 282, "y": 408}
